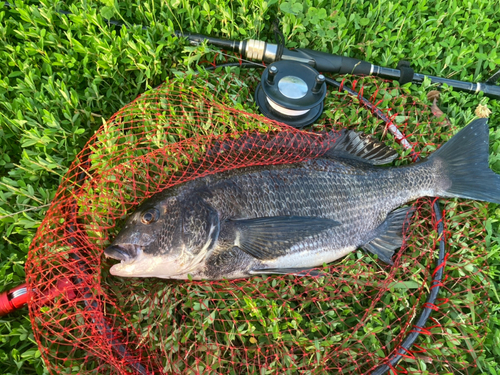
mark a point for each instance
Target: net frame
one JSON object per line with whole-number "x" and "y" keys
{"x": 115, "y": 344}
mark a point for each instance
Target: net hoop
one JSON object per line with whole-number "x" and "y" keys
{"x": 88, "y": 286}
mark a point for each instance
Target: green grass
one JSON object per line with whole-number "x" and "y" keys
{"x": 61, "y": 77}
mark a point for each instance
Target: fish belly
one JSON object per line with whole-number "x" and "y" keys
{"x": 307, "y": 259}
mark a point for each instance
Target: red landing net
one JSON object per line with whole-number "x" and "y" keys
{"x": 347, "y": 322}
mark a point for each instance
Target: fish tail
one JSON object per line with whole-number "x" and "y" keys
{"x": 464, "y": 159}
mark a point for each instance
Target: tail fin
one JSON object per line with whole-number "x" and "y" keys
{"x": 465, "y": 158}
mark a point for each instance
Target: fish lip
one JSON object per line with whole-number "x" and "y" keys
{"x": 120, "y": 252}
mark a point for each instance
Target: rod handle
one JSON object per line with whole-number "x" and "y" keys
{"x": 328, "y": 63}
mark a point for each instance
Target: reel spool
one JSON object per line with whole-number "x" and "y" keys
{"x": 292, "y": 93}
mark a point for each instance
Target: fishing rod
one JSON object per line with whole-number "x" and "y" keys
{"x": 292, "y": 89}
{"x": 328, "y": 63}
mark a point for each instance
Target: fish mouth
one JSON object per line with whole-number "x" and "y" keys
{"x": 143, "y": 265}
{"x": 121, "y": 252}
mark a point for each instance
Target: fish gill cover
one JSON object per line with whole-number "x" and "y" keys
{"x": 347, "y": 322}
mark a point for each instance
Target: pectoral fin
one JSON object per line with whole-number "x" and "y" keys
{"x": 271, "y": 237}
{"x": 389, "y": 235}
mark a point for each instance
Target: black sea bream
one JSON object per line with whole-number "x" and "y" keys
{"x": 290, "y": 218}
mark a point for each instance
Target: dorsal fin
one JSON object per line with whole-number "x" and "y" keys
{"x": 361, "y": 147}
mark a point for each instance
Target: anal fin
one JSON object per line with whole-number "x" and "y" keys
{"x": 389, "y": 235}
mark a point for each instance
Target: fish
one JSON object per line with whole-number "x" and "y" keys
{"x": 290, "y": 218}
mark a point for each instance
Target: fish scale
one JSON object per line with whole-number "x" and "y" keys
{"x": 290, "y": 218}
{"x": 320, "y": 188}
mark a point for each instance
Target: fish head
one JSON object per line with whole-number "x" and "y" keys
{"x": 167, "y": 238}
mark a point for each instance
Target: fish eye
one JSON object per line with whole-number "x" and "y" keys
{"x": 150, "y": 216}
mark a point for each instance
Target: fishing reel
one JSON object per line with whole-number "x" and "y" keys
{"x": 291, "y": 92}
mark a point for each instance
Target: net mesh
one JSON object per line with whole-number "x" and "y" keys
{"x": 350, "y": 321}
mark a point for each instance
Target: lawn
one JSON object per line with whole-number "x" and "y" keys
{"x": 62, "y": 77}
